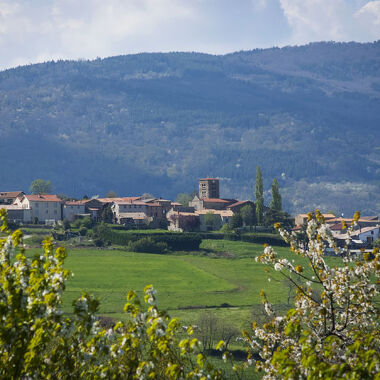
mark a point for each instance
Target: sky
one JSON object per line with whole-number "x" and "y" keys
{"x": 34, "y": 31}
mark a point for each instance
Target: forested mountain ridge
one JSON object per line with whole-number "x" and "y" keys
{"x": 155, "y": 123}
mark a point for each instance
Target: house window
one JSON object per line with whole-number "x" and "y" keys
{"x": 37, "y": 205}
{"x": 55, "y": 211}
{"x": 47, "y": 211}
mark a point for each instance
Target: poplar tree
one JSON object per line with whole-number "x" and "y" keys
{"x": 259, "y": 196}
{"x": 276, "y": 202}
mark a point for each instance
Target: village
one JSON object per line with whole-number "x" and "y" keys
{"x": 207, "y": 211}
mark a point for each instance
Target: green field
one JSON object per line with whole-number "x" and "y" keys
{"x": 229, "y": 281}
{"x": 222, "y": 277}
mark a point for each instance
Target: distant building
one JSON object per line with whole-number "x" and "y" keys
{"x": 300, "y": 219}
{"x": 8, "y": 197}
{"x": 74, "y": 209}
{"x": 208, "y": 188}
{"x": 44, "y": 207}
{"x": 211, "y": 203}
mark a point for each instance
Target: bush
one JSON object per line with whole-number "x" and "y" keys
{"x": 66, "y": 224}
{"x": 83, "y": 231}
{"x": 86, "y": 222}
{"x": 148, "y": 245}
{"x": 272, "y": 239}
{"x": 99, "y": 242}
{"x": 174, "y": 241}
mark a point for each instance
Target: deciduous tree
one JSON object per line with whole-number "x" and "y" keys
{"x": 39, "y": 186}
{"x": 333, "y": 329}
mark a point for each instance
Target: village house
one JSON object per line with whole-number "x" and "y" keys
{"x": 138, "y": 211}
{"x": 74, "y": 209}
{"x": 8, "y": 197}
{"x": 181, "y": 221}
{"x": 211, "y": 203}
{"x": 16, "y": 213}
{"x": 43, "y": 207}
{"x": 301, "y": 219}
{"x": 219, "y": 218}
{"x": 363, "y": 236}
{"x": 237, "y": 206}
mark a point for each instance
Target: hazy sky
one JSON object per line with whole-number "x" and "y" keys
{"x": 39, "y": 30}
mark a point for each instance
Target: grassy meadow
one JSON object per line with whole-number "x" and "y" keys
{"x": 223, "y": 277}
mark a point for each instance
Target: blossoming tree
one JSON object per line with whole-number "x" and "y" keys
{"x": 333, "y": 330}
{"x": 38, "y": 342}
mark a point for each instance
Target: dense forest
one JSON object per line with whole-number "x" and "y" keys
{"x": 156, "y": 122}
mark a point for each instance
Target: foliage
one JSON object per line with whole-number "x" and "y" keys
{"x": 248, "y": 214}
{"x": 212, "y": 220}
{"x": 107, "y": 214}
{"x": 274, "y": 216}
{"x": 38, "y": 341}
{"x": 211, "y": 329}
{"x": 83, "y": 231}
{"x": 333, "y": 329}
{"x": 111, "y": 194}
{"x": 174, "y": 241}
{"x": 259, "y": 196}
{"x": 86, "y": 222}
{"x": 148, "y": 245}
{"x": 39, "y": 186}
{"x": 66, "y": 224}
{"x": 184, "y": 198}
{"x": 226, "y": 228}
{"x": 276, "y": 202}
{"x": 236, "y": 221}
{"x": 263, "y": 238}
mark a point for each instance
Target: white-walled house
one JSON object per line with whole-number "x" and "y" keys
{"x": 367, "y": 234}
{"x": 42, "y": 206}
{"x": 16, "y": 213}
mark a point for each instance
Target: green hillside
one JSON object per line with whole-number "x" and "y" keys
{"x": 155, "y": 123}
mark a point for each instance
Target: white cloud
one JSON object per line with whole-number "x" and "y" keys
{"x": 338, "y": 20}
{"x": 36, "y": 30}
{"x": 369, "y": 17}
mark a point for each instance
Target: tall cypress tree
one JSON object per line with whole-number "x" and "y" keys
{"x": 259, "y": 196}
{"x": 276, "y": 202}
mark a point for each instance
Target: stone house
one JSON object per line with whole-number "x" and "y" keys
{"x": 43, "y": 207}
{"x": 74, "y": 209}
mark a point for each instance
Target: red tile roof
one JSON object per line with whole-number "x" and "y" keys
{"x": 76, "y": 203}
{"x": 42, "y": 198}
{"x": 118, "y": 199}
{"x": 9, "y": 194}
{"x": 238, "y": 203}
{"x": 336, "y": 227}
{"x": 208, "y": 179}
{"x": 215, "y": 200}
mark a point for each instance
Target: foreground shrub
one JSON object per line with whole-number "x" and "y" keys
{"x": 333, "y": 330}
{"x": 37, "y": 341}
